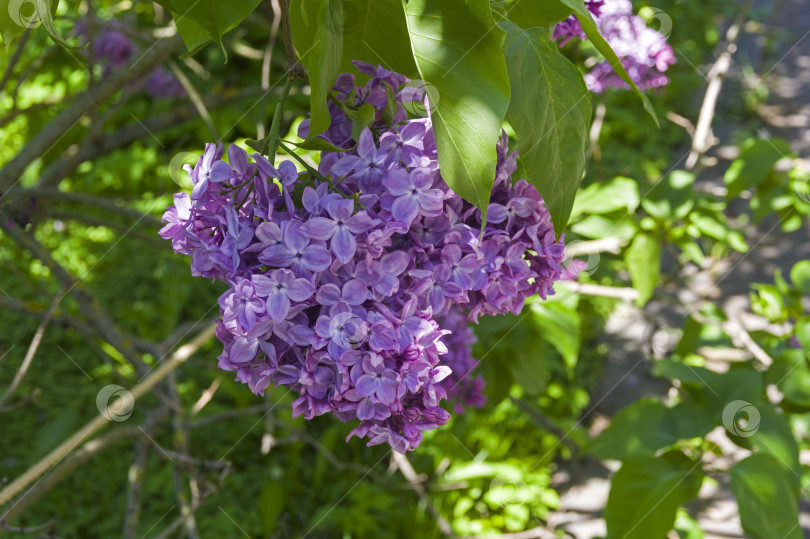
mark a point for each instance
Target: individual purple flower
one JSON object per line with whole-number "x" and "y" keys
{"x": 404, "y": 146}
{"x": 343, "y": 329}
{"x": 377, "y": 380}
{"x": 354, "y": 292}
{"x": 366, "y": 167}
{"x": 280, "y": 288}
{"x": 176, "y": 218}
{"x": 296, "y": 251}
{"x": 210, "y": 168}
{"x": 414, "y": 195}
{"x": 436, "y": 288}
{"x": 340, "y": 227}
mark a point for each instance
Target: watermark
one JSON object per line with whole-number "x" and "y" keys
{"x": 115, "y": 403}
{"x": 801, "y": 184}
{"x": 506, "y": 489}
{"x": 659, "y": 16}
{"x": 580, "y": 265}
{"x": 349, "y": 330}
{"x": 28, "y": 13}
{"x": 176, "y": 171}
{"x": 661, "y": 340}
{"x": 741, "y": 418}
{"x": 419, "y": 98}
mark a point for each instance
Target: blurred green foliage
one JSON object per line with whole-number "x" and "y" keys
{"x": 491, "y": 470}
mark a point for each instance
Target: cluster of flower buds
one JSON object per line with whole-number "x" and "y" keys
{"x": 353, "y": 285}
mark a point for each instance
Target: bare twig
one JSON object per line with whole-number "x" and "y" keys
{"x": 196, "y": 100}
{"x": 137, "y": 469}
{"x": 69, "y": 445}
{"x": 702, "y": 139}
{"x": 603, "y": 245}
{"x": 91, "y": 307}
{"x": 87, "y": 101}
{"x": 534, "y": 533}
{"x": 32, "y": 350}
{"x": 410, "y": 475}
{"x": 294, "y": 67}
{"x": 12, "y": 62}
{"x": 74, "y": 461}
{"x": 624, "y": 294}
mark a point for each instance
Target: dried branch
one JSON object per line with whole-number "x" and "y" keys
{"x": 702, "y": 139}
{"x": 135, "y": 475}
{"x": 32, "y": 350}
{"x": 624, "y": 294}
{"x": 43, "y": 141}
{"x": 410, "y": 475}
{"x": 68, "y": 446}
{"x": 294, "y": 67}
{"x": 12, "y": 62}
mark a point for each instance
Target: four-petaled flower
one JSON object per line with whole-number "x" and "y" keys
{"x": 340, "y": 227}
{"x": 279, "y": 288}
{"x": 414, "y": 195}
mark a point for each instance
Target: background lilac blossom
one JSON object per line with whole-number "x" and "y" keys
{"x": 643, "y": 51}
{"x": 354, "y": 286}
{"x": 113, "y": 49}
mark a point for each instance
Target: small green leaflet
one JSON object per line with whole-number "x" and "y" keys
{"x": 550, "y": 111}
{"x": 457, "y": 48}
{"x": 201, "y": 21}
{"x": 643, "y": 259}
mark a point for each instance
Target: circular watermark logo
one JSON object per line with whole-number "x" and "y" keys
{"x": 176, "y": 170}
{"x": 658, "y": 19}
{"x": 349, "y": 331}
{"x": 506, "y": 489}
{"x": 660, "y": 340}
{"x": 419, "y": 98}
{"x": 580, "y": 265}
{"x": 27, "y": 13}
{"x": 741, "y": 418}
{"x": 115, "y": 403}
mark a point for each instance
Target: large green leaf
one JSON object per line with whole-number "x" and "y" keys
{"x": 647, "y": 425}
{"x": 589, "y": 27}
{"x": 672, "y": 198}
{"x": 800, "y": 276}
{"x": 791, "y": 373}
{"x": 318, "y": 37}
{"x": 536, "y": 13}
{"x": 618, "y": 193}
{"x": 755, "y": 163}
{"x": 457, "y": 48}
{"x": 560, "y": 326}
{"x": 645, "y": 495}
{"x": 643, "y": 259}
{"x": 201, "y": 21}
{"x": 375, "y": 31}
{"x": 769, "y": 507}
{"x": 550, "y": 111}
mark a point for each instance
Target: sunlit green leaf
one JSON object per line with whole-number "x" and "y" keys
{"x": 454, "y": 43}
{"x": 550, "y": 111}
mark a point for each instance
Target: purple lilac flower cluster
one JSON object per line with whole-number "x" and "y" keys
{"x": 114, "y": 49}
{"x": 348, "y": 285}
{"x": 570, "y": 28}
{"x": 643, "y": 51}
